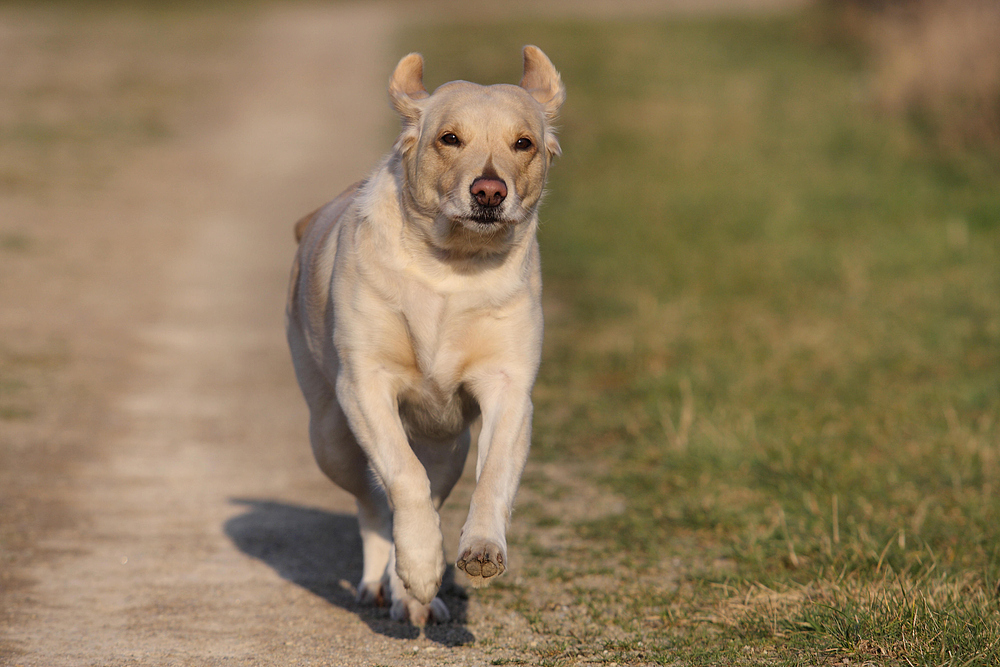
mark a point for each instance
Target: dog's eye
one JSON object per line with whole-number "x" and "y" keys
{"x": 523, "y": 144}
{"x": 450, "y": 138}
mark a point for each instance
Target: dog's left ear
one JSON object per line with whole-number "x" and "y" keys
{"x": 406, "y": 89}
{"x": 543, "y": 82}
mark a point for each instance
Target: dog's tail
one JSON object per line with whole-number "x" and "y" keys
{"x": 302, "y": 225}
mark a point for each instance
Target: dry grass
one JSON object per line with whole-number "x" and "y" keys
{"x": 937, "y": 61}
{"x": 775, "y": 339}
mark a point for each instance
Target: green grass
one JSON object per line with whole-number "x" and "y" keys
{"x": 773, "y": 323}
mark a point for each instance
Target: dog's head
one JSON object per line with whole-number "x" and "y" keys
{"x": 474, "y": 158}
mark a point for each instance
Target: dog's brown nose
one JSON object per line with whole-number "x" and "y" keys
{"x": 488, "y": 191}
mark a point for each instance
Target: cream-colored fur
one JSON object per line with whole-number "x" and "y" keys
{"x": 414, "y": 309}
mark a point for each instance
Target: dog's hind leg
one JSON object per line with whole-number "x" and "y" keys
{"x": 339, "y": 456}
{"x": 345, "y": 464}
{"x": 375, "y": 522}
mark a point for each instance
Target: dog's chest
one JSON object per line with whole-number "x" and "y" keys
{"x": 433, "y": 402}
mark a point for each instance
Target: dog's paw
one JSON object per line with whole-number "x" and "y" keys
{"x": 417, "y": 613}
{"x": 482, "y": 560}
{"x": 422, "y": 575}
{"x": 419, "y": 558}
{"x": 372, "y": 593}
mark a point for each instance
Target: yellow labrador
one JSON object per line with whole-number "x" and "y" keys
{"x": 414, "y": 308}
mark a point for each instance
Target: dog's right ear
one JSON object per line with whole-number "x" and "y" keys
{"x": 406, "y": 90}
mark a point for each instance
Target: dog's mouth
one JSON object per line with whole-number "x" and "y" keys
{"x": 483, "y": 222}
{"x": 486, "y": 217}
{"x": 479, "y": 219}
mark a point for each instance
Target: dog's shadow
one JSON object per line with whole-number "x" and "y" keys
{"x": 321, "y": 552}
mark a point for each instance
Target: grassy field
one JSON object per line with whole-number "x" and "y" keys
{"x": 773, "y": 329}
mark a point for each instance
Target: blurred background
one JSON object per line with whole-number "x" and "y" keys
{"x": 766, "y": 426}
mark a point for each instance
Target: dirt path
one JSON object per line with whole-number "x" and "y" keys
{"x": 184, "y": 520}
{"x": 158, "y": 501}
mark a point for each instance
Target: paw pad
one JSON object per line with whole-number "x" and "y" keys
{"x": 482, "y": 563}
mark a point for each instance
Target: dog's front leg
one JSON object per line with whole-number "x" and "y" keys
{"x": 369, "y": 401}
{"x": 503, "y": 451}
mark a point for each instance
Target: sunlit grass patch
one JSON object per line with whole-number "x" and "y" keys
{"x": 773, "y": 329}
{"x": 925, "y": 620}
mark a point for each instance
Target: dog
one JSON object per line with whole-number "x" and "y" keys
{"x": 414, "y": 310}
